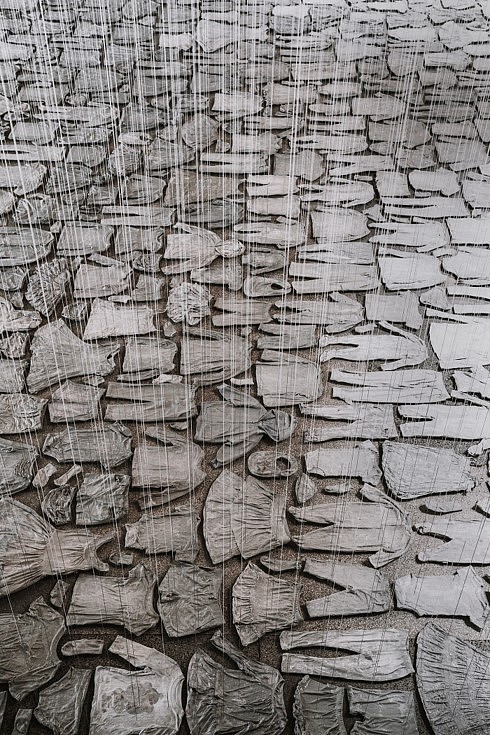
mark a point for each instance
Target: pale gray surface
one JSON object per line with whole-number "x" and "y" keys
{"x": 117, "y": 214}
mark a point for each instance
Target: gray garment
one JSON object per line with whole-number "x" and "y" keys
{"x": 337, "y": 314}
{"x": 142, "y": 403}
{"x": 125, "y": 601}
{"x": 175, "y": 465}
{"x": 28, "y": 657}
{"x": 349, "y": 421}
{"x": 227, "y": 700}
{"x": 379, "y": 527}
{"x": 16, "y": 466}
{"x": 414, "y": 470}
{"x": 22, "y": 721}
{"x": 460, "y": 594}
{"x": 318, "y": 708}
{"x": 238, "y": 423}
{"x": 465, "y": 541}
{"x": 379, "y": 654}
{"x": 12, "y": 375}
{"x": 74, "y": 402}
{"x": 396, "y": 308}
{"x": 286, "y": 381}
{"x": 453, "y": 680}
{"x": 365, "y": 591}
{"x": 56, "y": 504}
{"x": 448, "y": 422}
{"x": 144, "y": 353}
{"x": 60, "y": 704}
{"x": 403, "y": 271}
{"x": 286, "y": 337}
{"x": 349, "y": 460}
{"x": 383, "y": 712}
{"x": 235, "y": 311}
{"x": 403, "y": 386}
{"x": 243, "y": 517}
{"x": 189, "y": 599}
{"x": 114, "y": 320}
{"x": 47, "y": 285}
{"x": 396, "y": 350}
{"x": 463, "y": 345}
{"x": 102, "y": 498}
{"x": 46, "y": 551}
{"x": 209, "y": 357}
{"x": 107, "y": 444}
{"x": 262, "y": 603}
{"x": 174, "y": 532}
{"x": 146, "y": 700}
{"x": 57, "y": 354}
{"x": 319, "y": 278}
{"x": 83, "y": 647}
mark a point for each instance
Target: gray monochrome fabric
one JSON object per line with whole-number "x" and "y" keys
{"x": 244, "y": 367}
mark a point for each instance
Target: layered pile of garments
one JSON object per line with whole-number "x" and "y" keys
{"x": 244, "y": 385}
